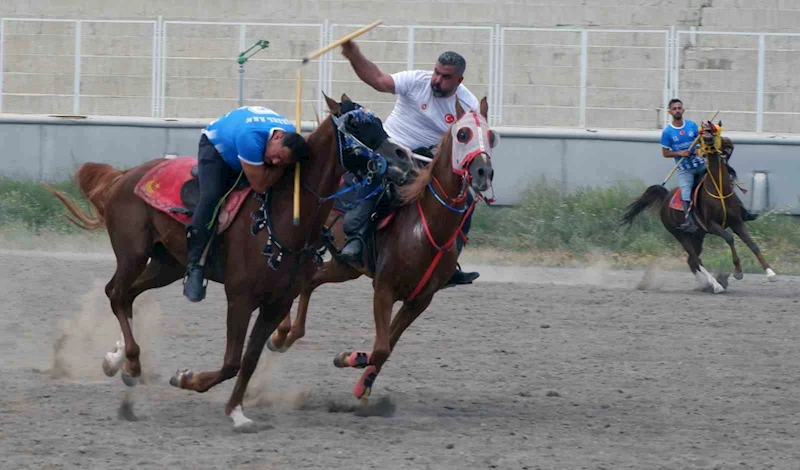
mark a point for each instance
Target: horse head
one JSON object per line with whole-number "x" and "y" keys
{"x": 712, "y": 142}
{"x": 364, "y": 137}
{"x": 472, "y": 145}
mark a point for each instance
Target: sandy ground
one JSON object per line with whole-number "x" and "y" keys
{"x": 527, "y": 368}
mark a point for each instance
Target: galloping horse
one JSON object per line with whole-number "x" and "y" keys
{"x": 139, "y": 233}
{"x": 414, "y": 255}
{"x": 714, "y": 210}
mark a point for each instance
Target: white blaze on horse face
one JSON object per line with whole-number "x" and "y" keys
{"x": 475, "y": 140}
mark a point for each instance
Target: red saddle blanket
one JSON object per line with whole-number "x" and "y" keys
{"x": 161, "y": 188}
{"x": 676, "y": 202}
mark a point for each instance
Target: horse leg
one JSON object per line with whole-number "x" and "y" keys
{"x": 156, "y": 274}
{"x": 696, "y": 265}
{"x": 287, "y": 333}
{"x": 129, "y": 267}
{"x": 240, "y": 307}
{"x": 372, "y": 362}
{"x": 716, "y": 229}
{"x": 739, "y": 229}
{"x": 265, "y": 323}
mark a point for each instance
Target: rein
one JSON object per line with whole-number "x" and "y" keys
{"x": 717, "y": 186}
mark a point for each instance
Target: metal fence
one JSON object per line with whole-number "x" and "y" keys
{"x": 533, "y": 77}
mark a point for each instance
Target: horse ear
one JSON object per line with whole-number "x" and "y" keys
{"x": 459, "y": 110}
{"x": 485, "y": 108}
{"x": 346, "y": 98}
{"x": 334, "y": 107}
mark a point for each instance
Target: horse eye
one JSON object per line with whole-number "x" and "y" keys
{"x": 492, "y": 139}
{"x": 464, "y": 135}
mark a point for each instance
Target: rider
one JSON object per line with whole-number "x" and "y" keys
{"x": 252, "y": 140}
{"x": 424, "y": 111}
{"x": 676, "y": 140}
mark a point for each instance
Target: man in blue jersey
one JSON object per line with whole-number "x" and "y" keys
{"x": 677, "y": 142}
{"x": 252, "y": 140}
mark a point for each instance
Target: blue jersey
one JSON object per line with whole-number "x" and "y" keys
{"x": 242, "y": 134}
{"x": 679, "y": 139}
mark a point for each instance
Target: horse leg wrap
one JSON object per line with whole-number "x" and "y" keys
{"x": 363, "y": 387}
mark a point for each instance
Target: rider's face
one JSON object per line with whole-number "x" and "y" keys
{"x": 276, "y": 154}
{"x": 676, "y": 111}
{"x": 444, "y": 80}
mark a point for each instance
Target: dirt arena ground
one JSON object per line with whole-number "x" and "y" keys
{"x": 528, "y": 368}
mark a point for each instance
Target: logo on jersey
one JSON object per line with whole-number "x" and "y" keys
{"x": 424, "y": 106}
{"x": 683, "y": 133}
{"x": 449, "y": 118}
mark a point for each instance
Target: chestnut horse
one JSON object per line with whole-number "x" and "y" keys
{"x": 415, "y": 254}
{"x": 714, "y": 210}
{"x": 139, "y": 233}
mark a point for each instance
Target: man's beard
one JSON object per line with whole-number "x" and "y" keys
{"x": 438, "y": 92}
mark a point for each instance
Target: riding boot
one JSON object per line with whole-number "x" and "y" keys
{"x": 197, "y": 239}
{"x": 688, "y": 224}
{"x": 747, "y": 216}
{"x": 356, "y": 225}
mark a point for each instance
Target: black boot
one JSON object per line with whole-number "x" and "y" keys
{"x": 196, "y": 239}
{"x": 352, "y": 251}
{"x": 688, "y": 224}
{"x": 460, "y": 277}
{"x": 748, "y": 216}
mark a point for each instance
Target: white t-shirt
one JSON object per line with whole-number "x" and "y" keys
{"x": 420, "y": 119}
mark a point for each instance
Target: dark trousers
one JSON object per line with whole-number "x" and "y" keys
{"x": 357, "y": 220}
{"x": 214, "y": 177}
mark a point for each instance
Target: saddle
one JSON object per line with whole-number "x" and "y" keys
{"x": 172, "y": 188}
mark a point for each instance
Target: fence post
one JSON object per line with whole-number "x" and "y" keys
{"x": 2, "y": 42}
{"x": 155, "y": 74}
{"x": 163, "y": 58}
{"x": 410, "y": 48}
{"x": 501, "y": 47}
{"x": 760, "y": 83}
{"x": 76, "y": 81}
{"x": 242, "y": 46}
{"x": 584, "y": 72}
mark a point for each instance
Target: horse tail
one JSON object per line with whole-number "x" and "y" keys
{"x": 95, "y": 181}
{"x": 652, "y": 195}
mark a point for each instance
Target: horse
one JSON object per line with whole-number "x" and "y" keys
{"x": 414, "y": 255}
{"x": 139, "y": 232}
{"x": 713, "y": 207}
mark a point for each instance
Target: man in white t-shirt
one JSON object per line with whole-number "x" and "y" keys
{"x": 424, "y": 111}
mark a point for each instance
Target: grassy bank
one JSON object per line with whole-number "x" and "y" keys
{"x": 546, "y": 228}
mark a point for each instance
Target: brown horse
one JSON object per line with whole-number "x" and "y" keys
{"x": 415, "y": 254}
{"x": 139, "y": 233}
{"x": 714, "y": 211}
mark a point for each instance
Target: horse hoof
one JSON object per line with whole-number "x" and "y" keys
{"x": 738, "y": 276}
{"x": 175, "y": 380}
{"x": 271, "y": 346}
{"x": 342, "y": 360}
{"x": 771, "y": 276}
{"x": 242, "y": 423}
{"x": 718, "y": 289}
{"x": 128, "y": 380}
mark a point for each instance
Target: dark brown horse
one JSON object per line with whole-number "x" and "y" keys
{"x": 139, "y": 233}
{"x": 415, "y": 254}
{"x": 714, "y": 210}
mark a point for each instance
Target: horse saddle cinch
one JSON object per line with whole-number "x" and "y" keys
{"x": 172, "y": 187}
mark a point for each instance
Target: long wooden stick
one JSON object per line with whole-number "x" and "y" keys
{"x": 299, "y": 105}
{"x": 340, "y": 41}
{"x": 298, "y": 116}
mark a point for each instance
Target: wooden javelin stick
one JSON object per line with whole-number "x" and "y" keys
{"x": 298, "y": 104}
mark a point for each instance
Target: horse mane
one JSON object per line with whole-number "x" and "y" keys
{"x": 413, "y": 191}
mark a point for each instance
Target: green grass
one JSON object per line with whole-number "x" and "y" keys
{"x": 546, "y": 227}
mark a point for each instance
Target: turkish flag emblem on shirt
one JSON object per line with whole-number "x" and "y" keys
{"x": 683, "y": 132}
{"x": 424, "y": 106}
{"x": 449, "y": 118}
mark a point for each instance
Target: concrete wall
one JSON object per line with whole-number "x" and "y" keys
{"x": 541, "y": 69}
{"x": 47, "y": 148}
